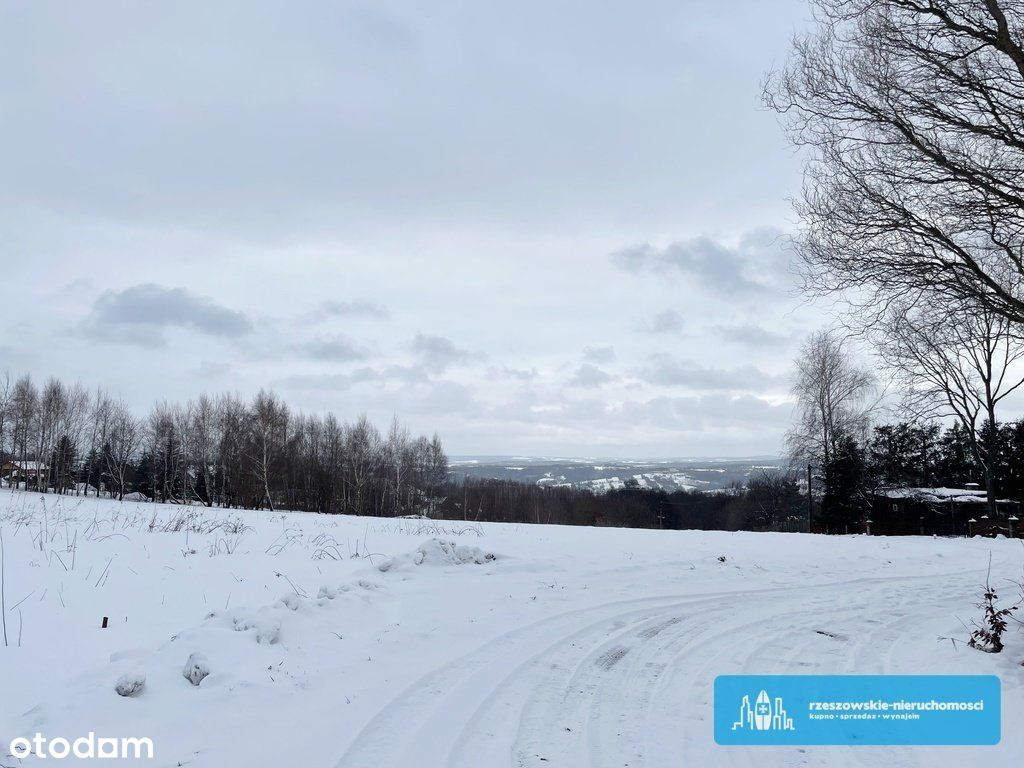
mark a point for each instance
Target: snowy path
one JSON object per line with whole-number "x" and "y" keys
{"x": 628, "y": 683}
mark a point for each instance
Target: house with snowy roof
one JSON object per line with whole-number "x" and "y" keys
{"x": 15, "y": 469}
{"x": 941, "y": 511}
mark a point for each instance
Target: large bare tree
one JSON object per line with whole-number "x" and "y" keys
{"x": 959, "y": 362}
{"x": 912, "y": 115}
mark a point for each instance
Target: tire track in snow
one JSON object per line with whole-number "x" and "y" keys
{"x": 606, "y": 670}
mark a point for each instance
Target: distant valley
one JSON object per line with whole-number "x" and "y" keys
{"x": 603, "y": 475}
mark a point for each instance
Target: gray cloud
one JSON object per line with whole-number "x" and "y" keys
{"x": 599, "y": 354}
{"x": 667, "y": 322}
{"x": 517, "y": 374}
{"x": 751, "y": 335}
{"x": 391, "y": 374}
{"x": 716, "y": 411}
{"x": 589, "y": 376}
{"x": 666, "y": 371}
{"x": 437, "y": 354}
{"x": 347, "y": 309}
{"x": 139, "y": 314}
{"x": 335, "y": 349}
{"x": 212, "y": 369}
{"x": 756, "y": 264}
{"x": 280, "y": 86}
{"x": 390, "y": 389}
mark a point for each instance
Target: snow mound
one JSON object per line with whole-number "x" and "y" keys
{"x": 267, "y": 626}
{"x": 330, "y": 592}
{"x": 440, "y": 552}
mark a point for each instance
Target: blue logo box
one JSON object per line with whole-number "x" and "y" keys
{"x": 857, "y": 709}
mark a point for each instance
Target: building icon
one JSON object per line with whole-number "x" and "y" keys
{"x": 764, "y": 715}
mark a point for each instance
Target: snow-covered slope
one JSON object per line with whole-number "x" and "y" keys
{"x": 356, "y": 642}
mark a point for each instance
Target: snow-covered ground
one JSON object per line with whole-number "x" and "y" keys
{"x": 357, "y": 642}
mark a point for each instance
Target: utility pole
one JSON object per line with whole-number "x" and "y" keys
{"x": 810, "y": 498}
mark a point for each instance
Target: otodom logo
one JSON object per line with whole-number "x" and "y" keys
{"x": 88, "y": 747}
{"x": 764, "y": 715}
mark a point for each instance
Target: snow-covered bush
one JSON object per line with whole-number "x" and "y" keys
{"x": 130, "y": 684}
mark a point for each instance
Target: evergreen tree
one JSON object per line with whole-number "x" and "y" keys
{"x": 956, "y": 462}
{"x": 144, "y": 475}
{"x": 846, "y": 501}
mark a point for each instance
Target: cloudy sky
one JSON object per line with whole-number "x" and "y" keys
{"x": 535, "y": 227}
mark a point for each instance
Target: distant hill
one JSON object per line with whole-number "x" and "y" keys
{"x": 602, "y": 475}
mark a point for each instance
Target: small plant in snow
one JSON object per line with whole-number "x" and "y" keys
{"x": 235, "y": 525}
{"x": 223, "y": 546}
{"x": 988, "y": 635}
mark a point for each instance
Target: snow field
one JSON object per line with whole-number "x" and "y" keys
{"x": 338, "y": 641}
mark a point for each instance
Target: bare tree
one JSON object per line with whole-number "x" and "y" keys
{"x": 6, "y": 391}
{"x": 71, "y": 428}
{"x": 202, "y": 438}
{"x": 164, "y": 432}
{"x": 24, "y": 401}
{"x": 232, "y": 417}
{"x": 834, "y": 398}
{"x": 97, "y": 416}
{"x": 122, "y": 435}
{"x": 268, "y": 430}
{"x": 362, "y": 458}
{"x": 959, "y": 362}
{"x": 911, "y": 112}
{"x": 771, "y": 501}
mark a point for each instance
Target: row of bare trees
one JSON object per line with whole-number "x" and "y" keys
{"x": 215, "y": 450}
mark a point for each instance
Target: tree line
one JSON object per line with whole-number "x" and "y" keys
{"x": 215, "y": 450}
